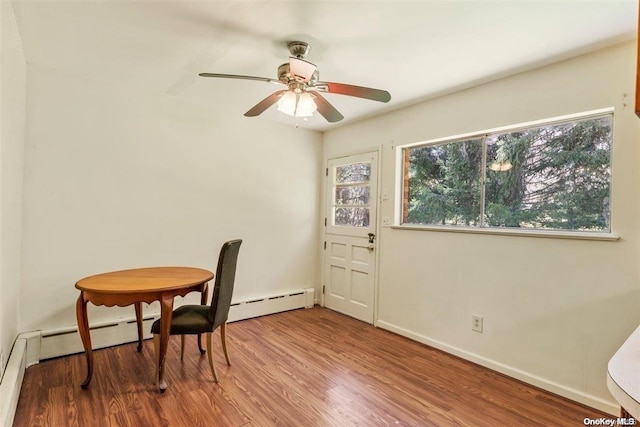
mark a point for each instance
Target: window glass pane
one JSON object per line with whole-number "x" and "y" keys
{"x": 550, "y": 177}
{"x": 352, "y": 195}
{"x": 444, "y": 183}
{"x": 353, "y": 217}
{"x": 357, "y": 172}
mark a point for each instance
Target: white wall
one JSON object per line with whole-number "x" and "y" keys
{"x": 554, "y": 310}
{"x": 12, "y": 129}
{"x": 116, "y": 178}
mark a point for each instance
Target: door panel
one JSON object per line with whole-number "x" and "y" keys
{"x": 351, "y": 216}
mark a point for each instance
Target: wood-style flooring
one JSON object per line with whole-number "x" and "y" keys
{"x": 309, "y": 367}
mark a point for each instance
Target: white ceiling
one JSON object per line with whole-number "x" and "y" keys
{"x": 414, "y": 49}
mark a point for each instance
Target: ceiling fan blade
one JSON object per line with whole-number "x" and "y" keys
{"x": 351, "y": 90}
{"x": 301, "y": 68}
{"x": 327, "y": 110}
{"x": 236, "y": 76}
{"x": 261, "y": 106}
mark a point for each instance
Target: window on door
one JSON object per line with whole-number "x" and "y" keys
{"x": 351, "y": 195}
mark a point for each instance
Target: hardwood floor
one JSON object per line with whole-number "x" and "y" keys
{"x": 309, "y": 367}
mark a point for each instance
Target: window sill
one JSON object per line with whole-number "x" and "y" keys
{"x": 575, "y": 235}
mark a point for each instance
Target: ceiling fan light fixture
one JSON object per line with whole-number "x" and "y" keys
{"x": 297, "y": 104}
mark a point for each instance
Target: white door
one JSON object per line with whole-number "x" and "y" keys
{"x": 350, "y": 221}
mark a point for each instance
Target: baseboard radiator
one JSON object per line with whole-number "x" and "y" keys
{"x": 12, "y": 382}
{"x": 32, "y": 347}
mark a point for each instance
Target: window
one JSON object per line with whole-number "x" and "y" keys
{"x": 554, "y": 176}
{"x": 351, "y": 198}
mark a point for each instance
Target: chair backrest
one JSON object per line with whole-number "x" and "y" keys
{"x": 225, "y": 278}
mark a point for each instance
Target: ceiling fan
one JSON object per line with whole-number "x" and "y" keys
{"x": 302, "y": 97}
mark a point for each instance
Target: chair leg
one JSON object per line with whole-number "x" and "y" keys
{"x": 209, "y": 353}
{"x": 223, "y": 338}
{"x": 156, "y": 355}
{"x": 202, "y": 350}
{"x": 181, "y": 347}
{"x": 203, "y": 300}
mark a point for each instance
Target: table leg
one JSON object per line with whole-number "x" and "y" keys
{"x": 166, "y": 312}
{"x": 83, "y": 328}
{"x": 203, "y": 301}
{"x": 138, "y": 306}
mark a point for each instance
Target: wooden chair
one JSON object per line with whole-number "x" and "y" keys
{"x": 204, "y": 319}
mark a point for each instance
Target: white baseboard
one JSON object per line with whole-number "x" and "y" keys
{"x": 553, "y": 387}
{"x": 62, "y": 342}
{"x": 11, "y": 383}
{"x": 247, "y": 309}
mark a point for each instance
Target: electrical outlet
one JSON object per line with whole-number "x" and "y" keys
{"x": 476, "y": 323}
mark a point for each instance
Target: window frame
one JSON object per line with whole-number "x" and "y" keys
{"x": 401, "y": 152}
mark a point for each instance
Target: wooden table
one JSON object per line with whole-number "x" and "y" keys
{"x": 126, "y": 287}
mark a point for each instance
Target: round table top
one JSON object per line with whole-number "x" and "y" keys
{"x": 623, "y": 374}
{"x": 149, "y": 279}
